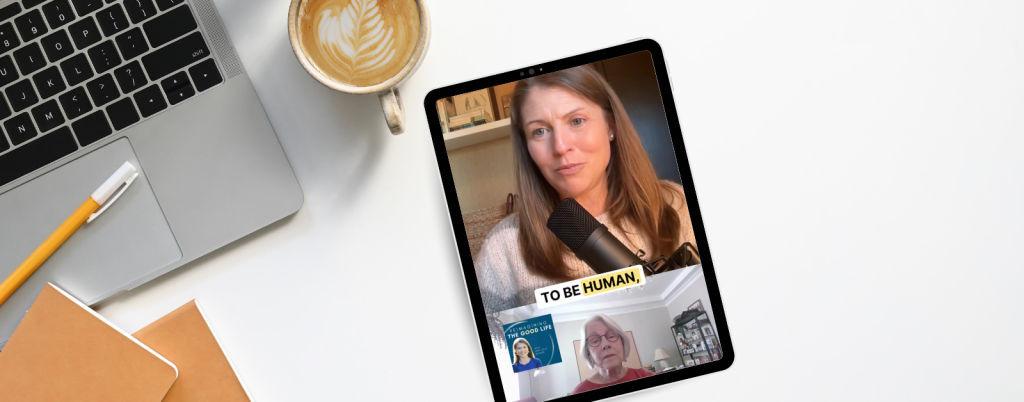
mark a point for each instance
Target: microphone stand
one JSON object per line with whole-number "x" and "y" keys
{"x": 677, "y": 260}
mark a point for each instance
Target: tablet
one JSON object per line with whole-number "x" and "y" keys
{"x": 578, "y": 227}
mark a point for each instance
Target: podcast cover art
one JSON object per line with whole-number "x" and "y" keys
{"x": 532, "y": 343}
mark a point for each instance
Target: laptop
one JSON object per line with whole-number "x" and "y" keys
{"x": 86, "y": 85}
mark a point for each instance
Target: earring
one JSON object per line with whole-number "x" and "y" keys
{"x": 611, "y": 137}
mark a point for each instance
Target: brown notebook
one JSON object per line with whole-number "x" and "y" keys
{"x": 64, "y": 351}
{"x": 184, "y": 337}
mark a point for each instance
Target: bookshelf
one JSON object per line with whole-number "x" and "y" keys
{"x": 477, "y": 134}
{"x": 696, "y": 338}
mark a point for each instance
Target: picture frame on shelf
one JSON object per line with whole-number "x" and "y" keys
{"x": 697, "y": 305}
{"x": 473, "y": 101}
{"x": 708, "y": 331}
{"x": 503, "y": 99}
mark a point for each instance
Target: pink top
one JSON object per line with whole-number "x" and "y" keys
{"x": 631, "y": 374}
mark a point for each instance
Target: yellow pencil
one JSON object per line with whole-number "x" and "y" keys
{"x": 85, "y": 213}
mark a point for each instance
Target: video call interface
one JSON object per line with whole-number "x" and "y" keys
{"x": 580, "y": 234}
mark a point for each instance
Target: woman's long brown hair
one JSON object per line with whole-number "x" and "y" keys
{"x": 634, "y": 191}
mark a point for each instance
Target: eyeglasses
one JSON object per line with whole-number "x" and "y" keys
{"x": 595, "y": 340}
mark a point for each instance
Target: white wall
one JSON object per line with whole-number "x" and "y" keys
{"x": 651, "y": 330}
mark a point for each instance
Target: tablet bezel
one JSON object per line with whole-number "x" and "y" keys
{"x": 682, "y": 162}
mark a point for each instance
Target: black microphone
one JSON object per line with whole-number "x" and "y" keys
{"x": 589, "y": 239}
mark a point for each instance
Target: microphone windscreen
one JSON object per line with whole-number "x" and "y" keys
{"x": 572, "y": 224}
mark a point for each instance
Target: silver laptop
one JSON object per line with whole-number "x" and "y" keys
{"x": 90, "y": 84}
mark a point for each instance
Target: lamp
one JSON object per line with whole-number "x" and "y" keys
{"x": 660, "y": 355}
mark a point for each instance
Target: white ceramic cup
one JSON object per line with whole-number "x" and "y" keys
{"x": 387, "y": 91}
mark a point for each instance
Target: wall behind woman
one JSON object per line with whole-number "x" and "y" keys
{"x": 483, "y": 174}
{"x": 634, "y": 80}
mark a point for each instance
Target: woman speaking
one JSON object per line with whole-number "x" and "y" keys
{"x": 572, "y": 139}
{"x": 605, "y": 350}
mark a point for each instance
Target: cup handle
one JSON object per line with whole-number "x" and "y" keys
{"x": 394, "y": 112}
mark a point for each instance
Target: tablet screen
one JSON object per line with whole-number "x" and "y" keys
{"x": 552, "y": 173}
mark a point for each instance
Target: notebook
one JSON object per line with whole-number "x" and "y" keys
{"x": 64, "y": 351}
{"x": 206, "y": 374}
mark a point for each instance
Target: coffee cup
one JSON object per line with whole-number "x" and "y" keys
{"x": 362, "y": 46}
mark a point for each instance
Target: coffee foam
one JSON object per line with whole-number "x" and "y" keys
{"x": 359, "y": 42}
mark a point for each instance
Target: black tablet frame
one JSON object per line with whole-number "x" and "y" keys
{"x": 462, "y": 242}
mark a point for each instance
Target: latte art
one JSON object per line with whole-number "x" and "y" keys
{"x": 359, "y": 42}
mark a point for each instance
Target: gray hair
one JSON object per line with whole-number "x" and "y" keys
{"x": 612, "y": 325}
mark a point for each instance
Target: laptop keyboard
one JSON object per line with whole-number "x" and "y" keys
{"x": 73, "y": 72}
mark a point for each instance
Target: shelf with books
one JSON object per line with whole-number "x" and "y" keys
{"x": 477, "y": 134}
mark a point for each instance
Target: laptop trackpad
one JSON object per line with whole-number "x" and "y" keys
{"x": 128, "y": 240}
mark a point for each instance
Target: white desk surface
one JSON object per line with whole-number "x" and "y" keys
{"x": 858, "y": 165}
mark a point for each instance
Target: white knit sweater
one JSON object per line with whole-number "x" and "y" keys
{"x": 505, "y": 283}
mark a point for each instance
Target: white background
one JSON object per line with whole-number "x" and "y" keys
{"x": 858, "y": 166}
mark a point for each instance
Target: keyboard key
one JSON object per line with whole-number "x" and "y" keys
{"x": 131, "y": 43}
{"x": 205, "y": 75}
{"x": 7, "y": 72}
{"x": 76, "y": 69}
{"x": 112, "y": 20}
{"x": 165, "y": 4}
{"x": 91, "y": 128}
{"x": 174, "y": 82}
{"x": 84, "y": 7}
{"x": 122, "y": 114}
{"x": 169, "y": 26}
{"x": 21, "y": 95}
{"x": 176, "y": 55}
{"x": 8, "y": 39}
{"x": 58, "y": 13}
{"x": 20, "y": 129}
{"x": 130, "y": 77}
{"x": 30, "y": 25}
{"x": 139, "y": 10}
{"x": 3, "y": 143}
{"x": 5, "y": 111}
{"x": 9, "y": 11}
{"x": 47, "y": 116}
{"x": 104, "y": 56}
{"x": 48, "y": 82}
{"x": 32, "y": 3}
{"x": 84, "y": 33}
{"x": 102, "y": 90}
{"x": 75, "y": 103}
{"x": 180, "y": 94}
{"x": 29, "y": 58}
{"x": 150, "y": 101}
{"x": 36, "y": 154}
{"x": 57, "y": 46}
{"x": 177, "y": 88}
